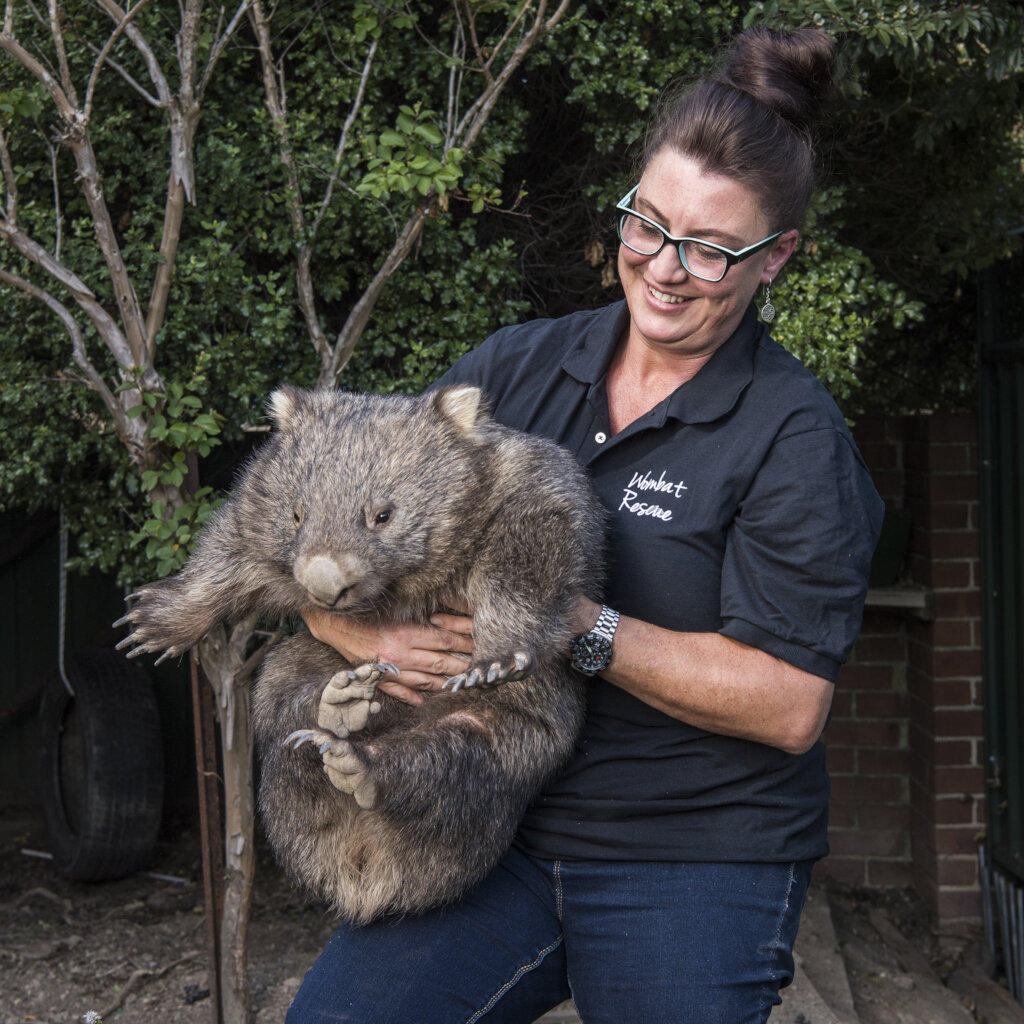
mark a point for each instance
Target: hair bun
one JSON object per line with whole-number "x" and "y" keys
{"x": 788, "y": 72}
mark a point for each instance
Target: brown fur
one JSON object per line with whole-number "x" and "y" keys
{"x": 389, "y": 509}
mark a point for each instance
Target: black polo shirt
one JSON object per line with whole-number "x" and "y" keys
{"x": 738, "y": 505}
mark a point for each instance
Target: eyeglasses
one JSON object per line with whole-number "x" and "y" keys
{"x": 703, "y": 259}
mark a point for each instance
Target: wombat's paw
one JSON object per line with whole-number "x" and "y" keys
{"x": 519, "y": 665}
{"x": 145, "y": 637}
{"x": 347, "y": 702}
{"x": 346, "y": 772}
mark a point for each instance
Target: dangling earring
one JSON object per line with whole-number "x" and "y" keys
{"x": 768, "y": 310}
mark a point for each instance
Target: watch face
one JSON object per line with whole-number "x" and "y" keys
{"x": 591, "y": 653}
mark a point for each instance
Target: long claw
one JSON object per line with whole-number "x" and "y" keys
{"x": 455, "y": 683}
{"x": 493, "y": 672}
{"x": 386, "y": 668}
{"x": 136, "y": 652}
{"x": 163, "y": 657}
{"x": 297, "y": 738}
{"x": 126, "y": 642}
{"x": 123, "y": 621}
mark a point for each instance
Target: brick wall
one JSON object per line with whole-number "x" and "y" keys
{"x": 905, "y": 740}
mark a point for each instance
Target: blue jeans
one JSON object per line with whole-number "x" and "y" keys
{"x": 644, "y": 942}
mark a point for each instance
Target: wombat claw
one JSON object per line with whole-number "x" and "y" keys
{"x": 495, "y": 673}
{"x": 343, "y": 767}
{"x": 347, "y": 702}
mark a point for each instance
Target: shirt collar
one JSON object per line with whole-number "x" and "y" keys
{"x": 709, "y": 395}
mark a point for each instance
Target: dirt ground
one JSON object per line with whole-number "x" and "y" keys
{"x": 133, "y": 950}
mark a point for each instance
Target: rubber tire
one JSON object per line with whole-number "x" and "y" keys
{"x": 101, "y": 774}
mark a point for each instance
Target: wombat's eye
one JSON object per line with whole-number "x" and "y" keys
{"x": 379, "y": 514}
{"x": 298, "y": 515}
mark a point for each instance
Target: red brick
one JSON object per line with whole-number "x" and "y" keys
{"x": 949, "y": 458}
{"x": 953, "y": 693}
{"x": 887, "y": 874}
{"x": 885, "y": 647}
{"x": 842, "y": 815}
{"x": 871, "y": 733}
{"x": 958, "y": 905}
{"x": 951, "y": 544}
{"x": 953, "y": 633}
{"x": 953, "y": 752}
{"x": 956, "y": 664}
{"x": 840, "y": 760}
{"x": 952, "y": 811}
{"x": 844, "y": 870}
{"x": 953, "y": 840}
{"x": 950, "y": 722}
{"x": 957, "y": 871}
{"x": 869, "y": 842}
{"x": 945, "y": 515}
{"x": 881, "y": 705}
{"x": 842, "y": 702}
{"x": 958, "y": 605}
{"x": 854, "y": 676}
{"x": 953, "y": 781}
{"x": 882, "y": 789}
{"x": 871, "y": 761}
{"x": 885, "y": 816}
{"x": 948, "y": 575}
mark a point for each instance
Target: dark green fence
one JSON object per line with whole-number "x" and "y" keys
{"x": 1001, "y": 411}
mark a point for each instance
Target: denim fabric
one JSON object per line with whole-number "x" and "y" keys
{"x": 632, "y": 943}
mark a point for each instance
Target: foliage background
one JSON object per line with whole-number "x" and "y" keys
{"x": 923, "y": 188}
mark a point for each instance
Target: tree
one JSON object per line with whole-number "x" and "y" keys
{"x": 408, "y": 166}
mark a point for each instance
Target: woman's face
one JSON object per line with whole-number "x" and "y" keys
{"x": 670, "y": 309}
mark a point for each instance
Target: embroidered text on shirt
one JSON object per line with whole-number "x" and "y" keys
{"x": 646, "y": 482}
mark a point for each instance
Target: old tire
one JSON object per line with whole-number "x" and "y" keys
{"x": 101, "y": 774}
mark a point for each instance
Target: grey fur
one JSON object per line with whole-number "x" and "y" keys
{"x": 390, "y": 509}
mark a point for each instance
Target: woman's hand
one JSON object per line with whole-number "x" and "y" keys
{"x": 425, "y": 656}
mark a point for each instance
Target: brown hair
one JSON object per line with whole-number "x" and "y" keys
{"x": 753, "y": 119}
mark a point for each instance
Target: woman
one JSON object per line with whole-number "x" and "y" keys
{"x": 661, "y": 877}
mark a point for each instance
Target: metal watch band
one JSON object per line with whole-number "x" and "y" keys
{"x": 607, "y": 623}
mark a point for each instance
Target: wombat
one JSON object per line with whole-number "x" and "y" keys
{"x": 388, "y": 509}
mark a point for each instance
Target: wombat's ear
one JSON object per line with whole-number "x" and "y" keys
{"x": 283, "y": 404}
{"x": 463, "y": 404}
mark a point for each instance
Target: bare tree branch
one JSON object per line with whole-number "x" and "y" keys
{"x": 339, "y": 151}
{"x": 218, "y": 46}
{"x": 276, "y": 103}
{"x": 357, "y": 320}
{"x": 10, "y": 181}
{"x": 84, "y": 297}
{"x": 58, "y": 217}
{"x": 124, "y": 426}
{"x": 104, "y": 53}
{"x": 62, "y": 57}
{"x": 65, "y": 107}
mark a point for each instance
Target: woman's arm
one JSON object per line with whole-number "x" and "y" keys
{"x": 716, "y": 683}
{"x": 425, "y": 655}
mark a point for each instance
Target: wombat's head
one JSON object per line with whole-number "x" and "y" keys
{"x": 373, "y": 499}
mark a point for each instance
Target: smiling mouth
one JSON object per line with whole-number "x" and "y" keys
{"x": 665, "y": 297}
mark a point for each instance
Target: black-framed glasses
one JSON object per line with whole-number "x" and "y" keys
{"x": 705, "y": 260}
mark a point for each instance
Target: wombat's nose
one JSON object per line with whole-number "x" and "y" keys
{"x": 323, "y": 578}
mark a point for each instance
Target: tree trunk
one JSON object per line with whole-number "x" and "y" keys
{"x": 223, "y": 656}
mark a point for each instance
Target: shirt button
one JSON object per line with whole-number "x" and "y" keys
{"x": 600, "y": 437}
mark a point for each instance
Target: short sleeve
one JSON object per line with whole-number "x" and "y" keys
{"x": 799, "y": 551}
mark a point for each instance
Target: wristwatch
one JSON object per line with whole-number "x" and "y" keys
{"x": 592, "y": 652}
